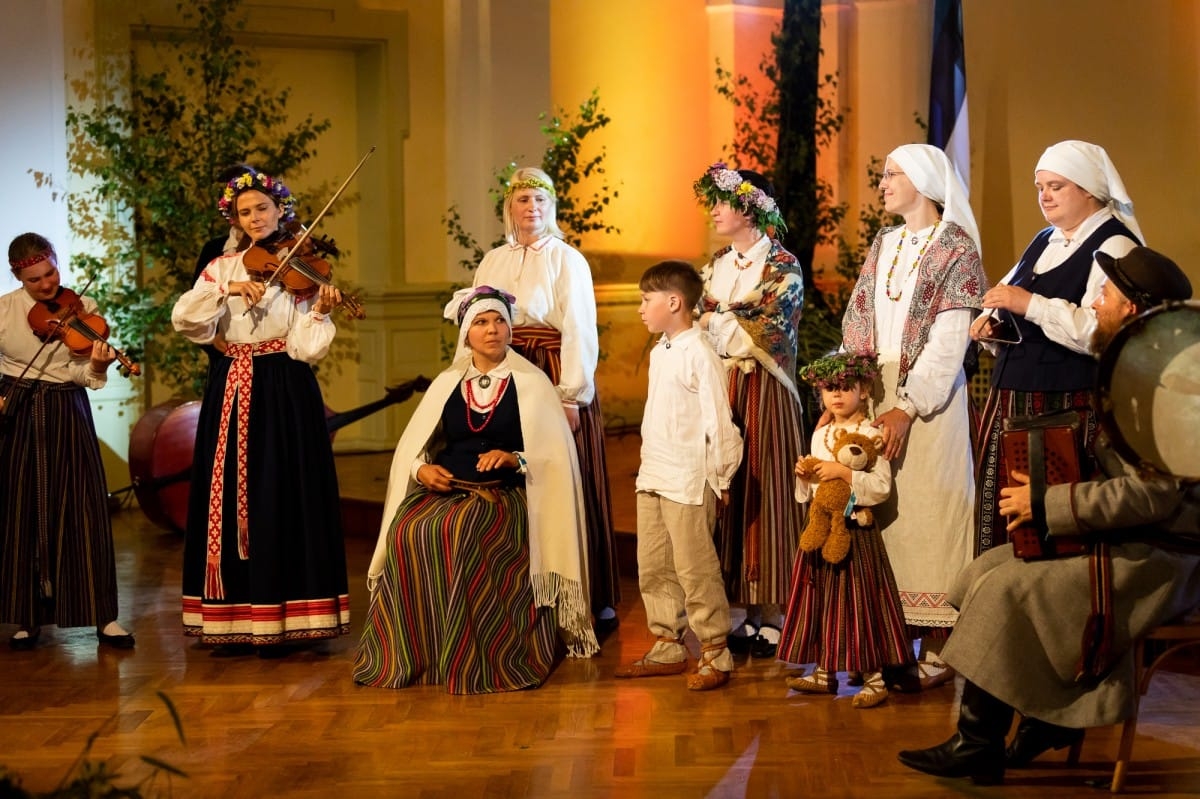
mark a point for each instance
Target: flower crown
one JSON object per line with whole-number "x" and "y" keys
{"x": 722, "y": 184}
{"x": 840, "y": 370}
{"x": 257, "y": 181}
{"x": 528, "y": 183}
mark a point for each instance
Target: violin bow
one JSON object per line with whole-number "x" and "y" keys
{"x": 308, "y": 230}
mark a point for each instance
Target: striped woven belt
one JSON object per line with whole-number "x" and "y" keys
{"x": 237, "y": 383}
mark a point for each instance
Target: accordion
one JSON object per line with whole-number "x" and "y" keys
{"x": 1047, "y": 448}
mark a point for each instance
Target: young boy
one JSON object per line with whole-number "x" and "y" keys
{"x": 690, "y": 451}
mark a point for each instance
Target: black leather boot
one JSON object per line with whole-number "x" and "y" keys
{"x": 977, "y": 749}
{"x": 1036, "y": 737}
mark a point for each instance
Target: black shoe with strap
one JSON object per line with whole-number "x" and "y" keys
{"x": 1035, "y": 738}
{"x": 124, "y": 641}
{"x": 762, "y": 647}
{"x": 742, "y": 639}
{"x": 976, "y": 751}
{"x": 27, "y": 641}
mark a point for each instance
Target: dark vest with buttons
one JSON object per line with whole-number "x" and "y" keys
{"x": 1037, "y": 363}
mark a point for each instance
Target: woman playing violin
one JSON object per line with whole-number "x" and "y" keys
{"x": 56, "y": 548}
{"x": 264, "y": 564}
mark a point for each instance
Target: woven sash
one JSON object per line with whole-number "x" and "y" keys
{"x": 527, "y": 339}
{"x": 237, "y": 387}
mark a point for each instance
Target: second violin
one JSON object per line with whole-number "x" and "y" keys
{"x": 65, "y": 317}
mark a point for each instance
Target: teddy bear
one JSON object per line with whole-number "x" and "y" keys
{"x": 826, "y": 527}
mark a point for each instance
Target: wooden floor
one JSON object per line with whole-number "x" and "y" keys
{"x": 299, "y": 726}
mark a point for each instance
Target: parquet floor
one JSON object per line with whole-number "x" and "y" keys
{"x": 299, "y": 727}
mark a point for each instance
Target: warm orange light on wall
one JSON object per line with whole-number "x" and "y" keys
{"x": 668, "y": 121}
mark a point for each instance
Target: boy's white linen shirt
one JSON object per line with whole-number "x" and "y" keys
{"x": 689, "y": 440}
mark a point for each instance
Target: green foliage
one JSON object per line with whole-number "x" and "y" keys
{"x": 757, "y": 135}
{"x": 148, "y": 154}
{"x": 565, "y": 162}
{"x": 756, "y": 127}
{"x": 91, "y": 779}
{"x": 840, "y": 371}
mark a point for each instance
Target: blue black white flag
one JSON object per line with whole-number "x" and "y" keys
{"x": 948, "y": 88}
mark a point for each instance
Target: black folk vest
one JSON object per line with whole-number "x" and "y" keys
{"x": 1037, "y": 363}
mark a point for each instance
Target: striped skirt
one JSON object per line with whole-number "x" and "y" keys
{"x": 758, "y": 531}
{"x": 56, "y": 549}
{"x": 541, "y": 346}
{"x": 990, "y": 473}
{"x": 846, "y": 616}
{"x": 454, "y": 605}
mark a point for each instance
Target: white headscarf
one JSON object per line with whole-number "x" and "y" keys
{"x": 468, "y": 303}
{"x": 936, "y": 178}
{"x": 1089, "y": 167}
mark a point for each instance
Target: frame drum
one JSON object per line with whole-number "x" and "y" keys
{"x": 1150, "y": 390}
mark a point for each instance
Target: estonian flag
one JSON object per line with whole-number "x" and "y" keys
{"x": 948, "y": 88}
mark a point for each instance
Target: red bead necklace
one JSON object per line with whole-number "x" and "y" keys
{"x": 488, "y": 410}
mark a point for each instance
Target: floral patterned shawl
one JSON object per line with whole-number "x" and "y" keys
{"x": 770, "y": 313}
{"x": 951, "y": 277}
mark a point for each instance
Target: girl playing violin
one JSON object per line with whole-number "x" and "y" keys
{"x": 56, "y": 547}
{"x": 264, "y": 563}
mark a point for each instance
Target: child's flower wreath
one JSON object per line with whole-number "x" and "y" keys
{"x": 841, "y": 370}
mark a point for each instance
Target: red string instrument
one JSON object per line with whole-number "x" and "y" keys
{"x": 162, "y": 449}
{"x": 64, "y": 317}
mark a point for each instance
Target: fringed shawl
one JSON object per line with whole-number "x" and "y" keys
{"x": 557, "y": 544}
{"x": 951, "y": 277}
{"x": 770, "y": 313}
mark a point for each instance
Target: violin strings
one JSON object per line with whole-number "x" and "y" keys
{"x": 78, "y": 326}
{"x": 303, "y": 268}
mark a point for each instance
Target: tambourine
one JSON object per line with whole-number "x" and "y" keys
{"x": 1150, "y": 390}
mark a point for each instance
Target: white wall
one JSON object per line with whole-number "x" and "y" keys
{"x": 33, "y": 137}
{"x": 33, "y": 125}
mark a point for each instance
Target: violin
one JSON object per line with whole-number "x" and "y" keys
{"x": 300, "y": 272}
{"x": 65, "y": 318}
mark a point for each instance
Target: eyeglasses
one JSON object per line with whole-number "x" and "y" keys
{"x": 888, "y": 174}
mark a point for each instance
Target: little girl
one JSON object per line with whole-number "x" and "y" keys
{"x": 845, "y": 616}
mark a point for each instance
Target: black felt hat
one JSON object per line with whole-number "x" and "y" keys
{"x": 1146, "y": 277}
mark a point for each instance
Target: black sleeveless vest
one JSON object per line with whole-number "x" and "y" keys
{"x": 1037, "y": 363}
{"x": 464, "y": 446}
